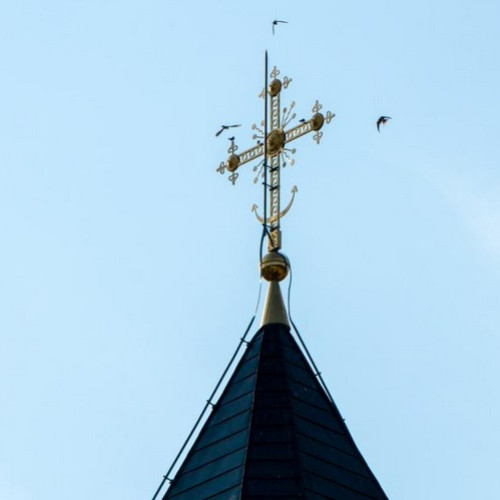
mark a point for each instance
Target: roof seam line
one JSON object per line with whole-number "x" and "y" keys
{"x": 293, "y": 423}
{"x": 250, "y": 424}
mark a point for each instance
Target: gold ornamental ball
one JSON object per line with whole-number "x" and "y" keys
{"x": 317, "y": 121}
{"x": 274, "y": 87}
{"x": 274, "y": 266}
{"x": 275, "y": 141}
{"x": 233, "y": 162}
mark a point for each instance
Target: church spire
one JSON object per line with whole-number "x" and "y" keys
{"x": 275, "y": 431}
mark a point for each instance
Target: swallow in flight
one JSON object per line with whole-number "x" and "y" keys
{"x": 382, "y": 121}
{"x": 225, "y": 127}
{"x": 276, "y": 21}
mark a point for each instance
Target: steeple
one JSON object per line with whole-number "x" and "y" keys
{"x": 275, "y": 431}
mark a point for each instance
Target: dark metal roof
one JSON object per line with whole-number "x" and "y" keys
{"x": 274, "y": 433}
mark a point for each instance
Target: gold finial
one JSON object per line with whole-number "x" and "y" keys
{"x": 274, "y": 268}
{"x": 274, "y": 309}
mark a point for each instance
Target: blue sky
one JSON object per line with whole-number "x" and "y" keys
{"x": 128, "y": 266}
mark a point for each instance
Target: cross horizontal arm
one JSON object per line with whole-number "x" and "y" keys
{"x": 235, "y": 161}
{"x": 298, "y": 131}
{"x": 251, "y": 153}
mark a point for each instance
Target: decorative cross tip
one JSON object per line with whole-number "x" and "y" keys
{"x": 222, "y": 167}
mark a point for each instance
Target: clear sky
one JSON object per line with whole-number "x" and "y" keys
{"x": 128, "y": 266}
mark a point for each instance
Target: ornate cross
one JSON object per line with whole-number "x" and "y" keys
{"x": 272, "y": 141}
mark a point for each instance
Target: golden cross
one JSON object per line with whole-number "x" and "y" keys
{"x": 272, "y": 144}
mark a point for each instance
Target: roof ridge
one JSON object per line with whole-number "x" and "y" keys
{"x": 250, "y": 425}
{"x": 293, "y": 419}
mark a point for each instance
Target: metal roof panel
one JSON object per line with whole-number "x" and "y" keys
{"x": 274, "y": 433}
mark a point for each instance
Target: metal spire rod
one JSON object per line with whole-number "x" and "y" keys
{"x": 265, "y": 227}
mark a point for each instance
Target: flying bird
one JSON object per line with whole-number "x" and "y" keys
{"x": 382, "y": 121}
{"x": 225, "y": 127}
{"x": 276, "y": 21}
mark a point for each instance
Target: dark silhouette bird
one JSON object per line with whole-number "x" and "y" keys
{"x": 276, "y": 21}
{"x": 302, "y": 120}
{"x": 230, "y": 138}
{"x": 225, "y": 127}
{"x": 382, "y": 121}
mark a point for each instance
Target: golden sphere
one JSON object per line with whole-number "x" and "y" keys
{"x": 275, "y": 141}
{"x": 274, "y": 88}
{"x": 317, "y": 121}
{"x": 274, "y": 267}
{"x": 233, "y": 162}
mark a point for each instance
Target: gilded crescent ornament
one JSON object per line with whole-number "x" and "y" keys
{"x": 282, "y": 213}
